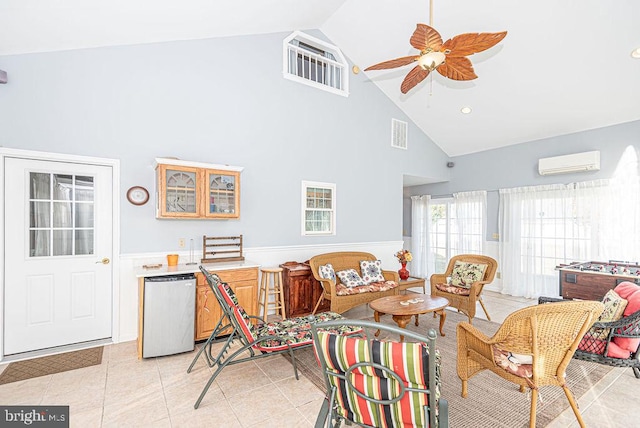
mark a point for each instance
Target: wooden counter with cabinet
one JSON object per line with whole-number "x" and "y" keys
{"x": 241, "y": 276}
{"x": 243, "y": 282}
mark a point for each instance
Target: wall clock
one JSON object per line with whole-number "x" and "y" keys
{"x": 138, "y": 195}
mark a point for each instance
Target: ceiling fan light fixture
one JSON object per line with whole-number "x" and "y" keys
{"x": 430, "y": 61}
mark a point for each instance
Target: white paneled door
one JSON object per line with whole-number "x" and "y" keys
{"x": 58, "y": 247}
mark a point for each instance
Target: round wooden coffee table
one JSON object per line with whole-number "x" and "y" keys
{"x": 402, "y": 309}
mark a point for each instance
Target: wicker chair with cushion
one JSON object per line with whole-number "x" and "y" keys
{"x": 532, "y": 348}
{"x": 379, "y": 384}
{"x": 613, "y": 342}
{"x": 343, "y": 296}
{"x": 468, "y": 274}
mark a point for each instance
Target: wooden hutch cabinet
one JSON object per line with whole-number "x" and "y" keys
{"x": 301, "y": 290}
{"x": 189, "y": 190}
{"x": 243, "y": 282}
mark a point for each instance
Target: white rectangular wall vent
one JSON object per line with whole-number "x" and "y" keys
{"x": 399, "y": 134}
{"x": 577, "y": 162}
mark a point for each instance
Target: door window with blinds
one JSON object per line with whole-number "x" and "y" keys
{"x": 319, "y": 208}
{"x": 61, "y": 214}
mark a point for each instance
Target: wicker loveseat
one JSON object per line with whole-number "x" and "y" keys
{"x": 342, "y": 298}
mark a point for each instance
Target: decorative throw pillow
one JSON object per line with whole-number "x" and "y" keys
{"x": 327, "y": 272}
{"x": 350, "y": 278}
{"x": 371, "y": 271}
{"x": 614, "y": 306}
{"x": 464, "y": 274}
{"x": 632, "y": 294}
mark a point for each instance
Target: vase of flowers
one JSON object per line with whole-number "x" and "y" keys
{"x": 404, "y": 256}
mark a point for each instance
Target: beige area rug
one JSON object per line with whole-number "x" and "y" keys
{"x": 492, "y": 401}
{"x": 27, "y": 369}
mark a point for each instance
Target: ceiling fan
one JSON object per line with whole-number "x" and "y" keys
{"x": 448, "y": 58}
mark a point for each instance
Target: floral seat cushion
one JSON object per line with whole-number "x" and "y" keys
{"x": 453, "y": 289}
{"x": 516, "y": 364}
{"x": 342, "y": 290}
{"x": 297, "y": 331}
{"x": 292, "y": 332}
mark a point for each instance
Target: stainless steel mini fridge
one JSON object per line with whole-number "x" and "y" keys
{"x": 169, "y": 311}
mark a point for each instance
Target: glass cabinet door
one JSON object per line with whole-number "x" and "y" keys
{"x": 179, "y": 192}
{"x": 223, "y": 194}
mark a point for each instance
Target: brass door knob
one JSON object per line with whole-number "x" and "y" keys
{"x": 104, "y": 261}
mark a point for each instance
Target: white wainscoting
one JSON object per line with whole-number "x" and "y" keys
{"x": 264, "y": 256}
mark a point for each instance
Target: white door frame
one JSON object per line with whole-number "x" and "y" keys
{"x": 46, "y": 156}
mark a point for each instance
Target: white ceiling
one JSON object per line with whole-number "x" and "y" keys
{"x": 564, "y": 67}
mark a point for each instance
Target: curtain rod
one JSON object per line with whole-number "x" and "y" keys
{"x": 450, "y": 195}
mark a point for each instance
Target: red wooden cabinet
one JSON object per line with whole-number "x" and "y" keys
{"x": 301, "y": 290}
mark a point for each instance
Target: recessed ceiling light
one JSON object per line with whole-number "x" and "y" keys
{"x": 636, "y": 53}
{"x": 465, "y": 110}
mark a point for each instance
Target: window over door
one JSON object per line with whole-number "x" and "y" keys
{"x": 316, "y": 63}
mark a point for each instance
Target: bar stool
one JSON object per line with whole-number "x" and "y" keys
{"x": 271, "y": 285}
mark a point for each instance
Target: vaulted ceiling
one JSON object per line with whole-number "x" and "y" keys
{"x": 564, "y": 67}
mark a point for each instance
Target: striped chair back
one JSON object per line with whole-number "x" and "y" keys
{"x": 380, "y": 384}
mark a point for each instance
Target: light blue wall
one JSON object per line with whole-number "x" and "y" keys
{"x": 219, "y": 101}
{"x": 517, "y": 166}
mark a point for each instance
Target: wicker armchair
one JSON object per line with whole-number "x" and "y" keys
{"x": 593, "y": 349}
{"x": 547, "y": 334}
{"x": 348, "y": 260}
{"x": 465, "y": 303}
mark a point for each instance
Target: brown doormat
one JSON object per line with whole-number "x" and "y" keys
{"x": 27, "y": 369}
{"x": 492, "y": 401}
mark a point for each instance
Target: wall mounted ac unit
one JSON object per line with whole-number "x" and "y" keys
{"x": 577, "y": 162}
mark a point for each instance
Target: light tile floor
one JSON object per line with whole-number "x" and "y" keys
{"x": 124, "y": 391}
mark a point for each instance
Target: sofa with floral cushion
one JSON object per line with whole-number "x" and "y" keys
{"x": 352, "y": 278}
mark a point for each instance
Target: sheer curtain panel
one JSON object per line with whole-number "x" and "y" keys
{"x": 470, "y": 222}
{"x": 422, "y": 264}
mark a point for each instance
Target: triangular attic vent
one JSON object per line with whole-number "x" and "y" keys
{"x": 399, "y": 134}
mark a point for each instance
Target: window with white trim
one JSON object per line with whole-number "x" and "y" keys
{"x": 318, "y": 208}
{"x": 311, "y": 61}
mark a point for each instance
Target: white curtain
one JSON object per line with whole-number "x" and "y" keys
{"x": 470, "y": 221}
{"x": 519, "y": 255}
{"x": 621, "y": 205}
{"x": 422, "y": 264}
{"x": 543, "y": 226}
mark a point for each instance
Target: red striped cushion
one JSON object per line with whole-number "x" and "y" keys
{"x": 408, "y": 360}
{"x": 238, "y": 311}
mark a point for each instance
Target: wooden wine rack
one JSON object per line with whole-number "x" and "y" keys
{"x": 221, "y": 249}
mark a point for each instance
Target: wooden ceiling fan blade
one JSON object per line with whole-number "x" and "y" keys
{"x": 470, "y": 43}
{"x": 415, "y": 76}
{"x": 393, "y": 63}
{"x": 425, "y": 37}
{"x": 457, "y": 68}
